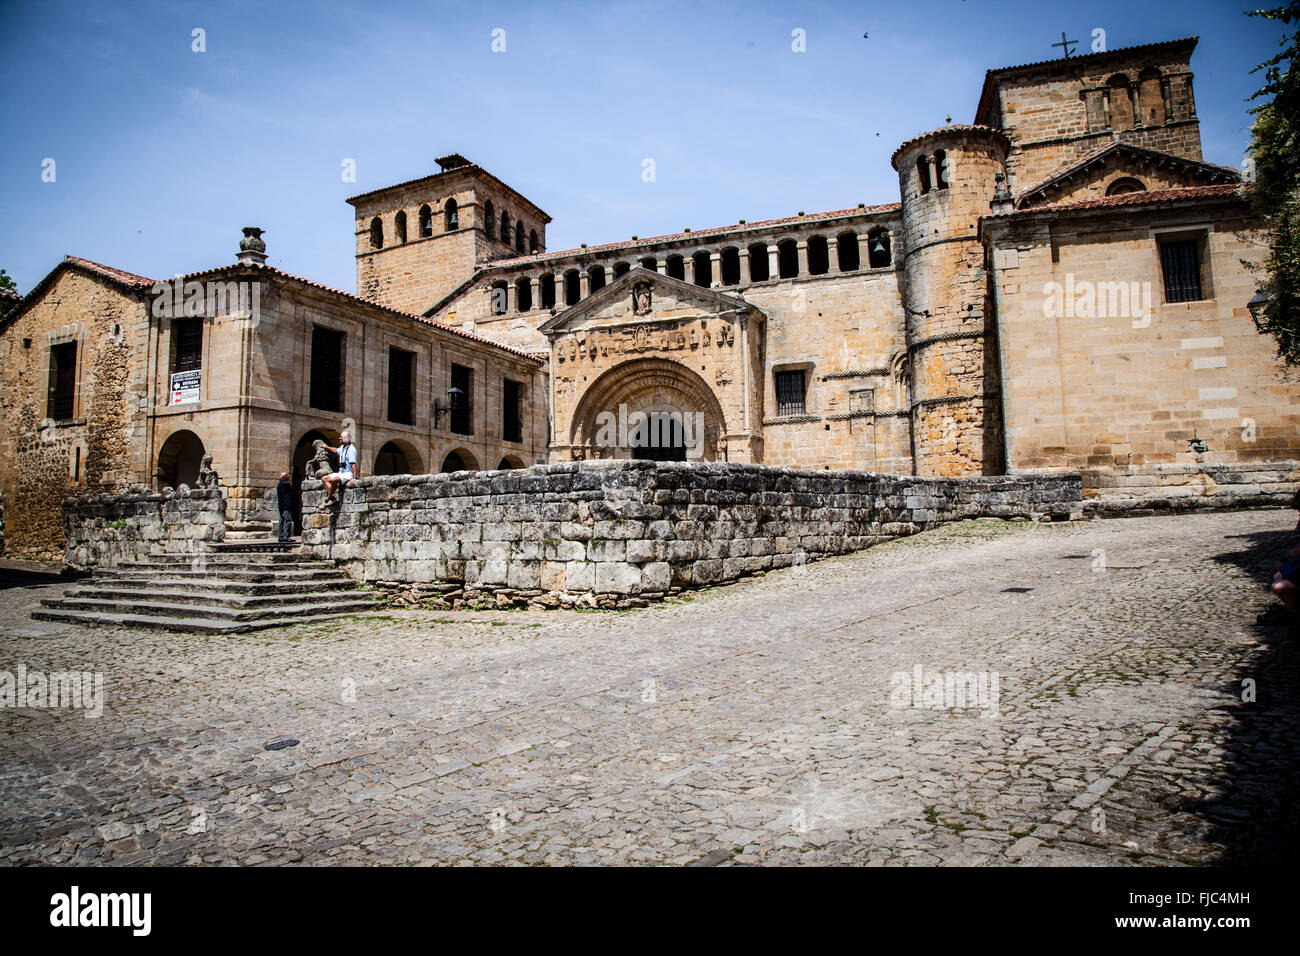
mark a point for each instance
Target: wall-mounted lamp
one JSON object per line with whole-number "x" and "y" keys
{"x": 454, "y": 395}
{"x": 1258, "y": 306}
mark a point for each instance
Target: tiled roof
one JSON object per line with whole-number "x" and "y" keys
{"x": 1153, "y": 198}
{"x": 468, "y": 167}
{"x": 108, "y": 272}
{"x": 1210, "y": 170}
{"x": 423, "y": 320}
{"x": 678, "y": 236}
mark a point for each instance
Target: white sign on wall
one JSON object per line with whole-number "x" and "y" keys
{"x": 185, "y": 387}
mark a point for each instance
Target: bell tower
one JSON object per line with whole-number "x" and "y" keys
{"x": 418, "y": 240}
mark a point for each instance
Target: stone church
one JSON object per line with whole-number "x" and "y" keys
{"x": 1059, "y": 285}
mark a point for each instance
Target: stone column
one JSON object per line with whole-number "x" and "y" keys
{"x": 536, "y": 282}
{"x": 584, "y": 285}
{"x": 803, "y": 257}
{"x": 744, "y": 266}
{"x": 688, "y": 268}
{"x": 715, "y": 263}
{"x": 661, "y": 265}
{"x": 864, "y": 251}
{"x": 773, "y": 262}
{"x": 833, "y": 255}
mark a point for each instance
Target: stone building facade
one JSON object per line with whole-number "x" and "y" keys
{"x": 921, "y": 336}
{"x": 111, "y": 381}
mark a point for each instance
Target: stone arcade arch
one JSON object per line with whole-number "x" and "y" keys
{"x": 178, "y": 460}
{"x": 459, "y": 459}
{"x": 397, "y": 457}
{"x": 659, "y": 388}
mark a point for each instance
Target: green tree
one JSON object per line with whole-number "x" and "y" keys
{"x": 1275, "y": 153}
{"x": 6, "y": 282}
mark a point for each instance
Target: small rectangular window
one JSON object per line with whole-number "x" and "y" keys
{"x": 63, "y": 381}
{"x": 1180, "y": 261}
{"x": 462, "y": 404}
{"x": 512, "y": 422}
{"x": 326, "y": 369}
{"x": 790, "y": 393}
{"x": 401, "y": 386}
{"x": 187, "y": 344}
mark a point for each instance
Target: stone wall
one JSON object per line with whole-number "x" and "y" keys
{"x": 106, "y": 530}
{"x": 619, "y": 533}
{"x": 1189, "y": 487}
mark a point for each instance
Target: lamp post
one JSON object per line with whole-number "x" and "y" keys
{"x": 454, "y": 395}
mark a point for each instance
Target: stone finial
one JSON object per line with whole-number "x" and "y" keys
{"x": 252, "y": 249}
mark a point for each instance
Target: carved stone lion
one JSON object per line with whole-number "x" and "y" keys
{"x": 208, "y": 477}
{"x": 319, "y": 466}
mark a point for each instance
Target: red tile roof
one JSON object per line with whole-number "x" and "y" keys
{"x": 678, "y": 236}
{"x": 1209, "y": 170}
{"x": 108, "y": 272}
{"x": 423, "y": 320}
{"x": 1153, "y": 198}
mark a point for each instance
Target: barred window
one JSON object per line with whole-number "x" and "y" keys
{"x": 187, "y": 340}
{"x": 790, "y": 393}
{"x": 63, "y": 381}
{"x": 1181, "y": 263}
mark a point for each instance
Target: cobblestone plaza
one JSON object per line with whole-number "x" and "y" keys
{"x": 1139, "y": 716}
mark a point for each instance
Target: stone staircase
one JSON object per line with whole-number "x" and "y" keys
{"x": 237, "y": 586}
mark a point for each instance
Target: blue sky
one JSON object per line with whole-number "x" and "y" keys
{"x": 162, "y": 153}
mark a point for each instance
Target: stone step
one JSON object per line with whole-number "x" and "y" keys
{"x": 329, "y": 606}
{"x": 193, "y": 624}
{"x": 335, "y": 581}
{"x": 252, "y": 575}
{"x": 232, "y": 559}
{"x": 203, "y": 597}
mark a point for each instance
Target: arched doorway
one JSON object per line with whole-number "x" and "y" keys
{"x": 397, "y": 458}
{"x": 650, "y": 408}
{"x": 459, "y": 460}
{"x": 303, "y": 452}
{"x": 178, "y": 460}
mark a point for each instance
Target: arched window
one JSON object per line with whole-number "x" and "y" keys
{"x": 548, "y": 291}
{"x": 376, "y": 233}
{"x": 572, "y": 287}
{"x": 1151, "y": 97}
{"x": 819, "y": 258}
{"x": 758, "y": 268}
{"x": 787, "y": 258}
{"x": 595, "y": 278}
{"x": 676, "y": 267}
{"x": 703, "y": 269}
{"x": 505, "y": 227}
{"x": 729, "y": 266}
{"x": 940, "y": 169}
{"x": 524, "y": 294}
{"x": 519, "y": 236}
{"x": 1125, "y": 184}
{"x": 500, "y": 298}
{"x": 399, "y": 226}
{"x": 621, "y": 268}
{"x": 1121, "y": 102}
{"x": 489, "y": 220}
{"x": 452, "y": 216}
{"x": 879, "y": 253}
{"x": 532, "y": 242}
{"x": 846, "y": 252}
{"x": 923, "y": 173}
{"x": 426, "y": 221}
{"x": 651, "y": 263}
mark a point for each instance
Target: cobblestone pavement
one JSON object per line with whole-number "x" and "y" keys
{"x": 753, "y": 724}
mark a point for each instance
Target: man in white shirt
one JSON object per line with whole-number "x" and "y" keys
{"x": 348, "y": 469}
